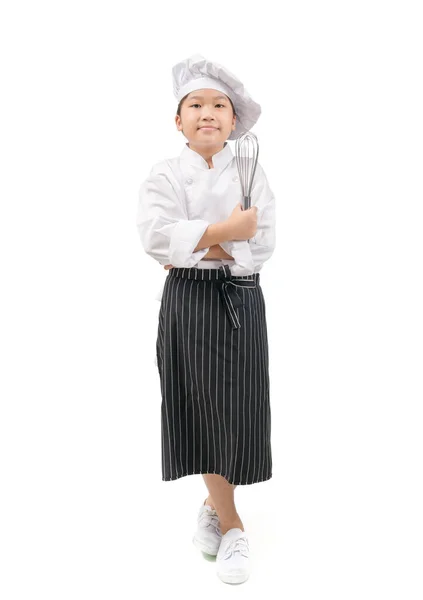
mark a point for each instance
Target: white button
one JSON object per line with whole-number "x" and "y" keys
{"x": 189, "y": 181}
{"x": 235, "y": 178}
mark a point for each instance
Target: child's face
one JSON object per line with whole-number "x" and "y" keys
{"x": 202, "y": 108}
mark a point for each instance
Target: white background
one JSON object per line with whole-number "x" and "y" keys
{"x": 87, "y": 108}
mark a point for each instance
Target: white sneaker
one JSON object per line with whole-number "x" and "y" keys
{"x": 208, "y": 535}
{"x": 233, "y": 557}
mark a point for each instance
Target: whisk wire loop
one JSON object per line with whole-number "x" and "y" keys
{"x": 246, "y": 154}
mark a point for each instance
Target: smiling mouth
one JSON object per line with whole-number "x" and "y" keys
{"x": 214, "y": 128}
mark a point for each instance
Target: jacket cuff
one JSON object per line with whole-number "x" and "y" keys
{"x": 184, "y": 239}
{"x": 243, "y": 259}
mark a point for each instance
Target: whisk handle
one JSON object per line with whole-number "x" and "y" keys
{"x": 246, "y": 202}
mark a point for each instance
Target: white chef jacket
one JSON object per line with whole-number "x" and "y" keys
{"x": 182, "y": 196}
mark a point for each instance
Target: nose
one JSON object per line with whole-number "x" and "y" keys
{"x": 207, "y": 112}
{"x": 205, "y": 120}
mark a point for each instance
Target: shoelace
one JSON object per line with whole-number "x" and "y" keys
{"x": 212, "y": 520}
{"x": 239, "y": 545}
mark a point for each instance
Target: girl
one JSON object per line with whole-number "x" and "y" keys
{"x": 212, "y": 347}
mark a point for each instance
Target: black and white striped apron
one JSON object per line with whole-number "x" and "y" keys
{"x": 212, "y": 357}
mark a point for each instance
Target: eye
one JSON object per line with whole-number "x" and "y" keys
{"x": 199, "y": 105}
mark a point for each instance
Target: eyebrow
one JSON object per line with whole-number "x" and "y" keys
{"x": 201, "y": 97}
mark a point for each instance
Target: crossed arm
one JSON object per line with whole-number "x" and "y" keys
{"x": 167, "y": 234}
{"x": 214, "y": 252}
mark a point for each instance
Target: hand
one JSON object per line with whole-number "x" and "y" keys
{"x": 243, "y": 223}
{"x": 216, "y": 252}
{"x": 167, "y": 267}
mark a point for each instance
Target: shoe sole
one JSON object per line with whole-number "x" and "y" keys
{"x": 204, "y": 548}
{"x": 228, "y": 578}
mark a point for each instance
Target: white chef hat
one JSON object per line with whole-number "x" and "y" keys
{"x": 196, "y": 73}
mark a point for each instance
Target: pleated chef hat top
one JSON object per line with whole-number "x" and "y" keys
{"x": 197, "y": 73}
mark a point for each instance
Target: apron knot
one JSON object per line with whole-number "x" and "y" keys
{"x": 230, "y": 297}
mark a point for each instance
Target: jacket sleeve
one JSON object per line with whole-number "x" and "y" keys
{"x": 167, "y": 235}
{"x": 249, "y": 254}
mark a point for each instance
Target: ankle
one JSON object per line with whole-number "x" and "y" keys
{"x": 225, "y": 527}
{"x": 209, "y": 502}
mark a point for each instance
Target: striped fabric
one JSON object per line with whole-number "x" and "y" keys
{"x": 212, "y": 357}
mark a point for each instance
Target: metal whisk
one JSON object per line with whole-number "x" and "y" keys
{"x": 246, "y": 153}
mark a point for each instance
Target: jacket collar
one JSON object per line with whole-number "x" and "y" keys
{"x": 220, "y": 160}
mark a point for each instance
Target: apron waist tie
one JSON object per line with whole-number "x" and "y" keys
{"x": 227, "y": 284}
